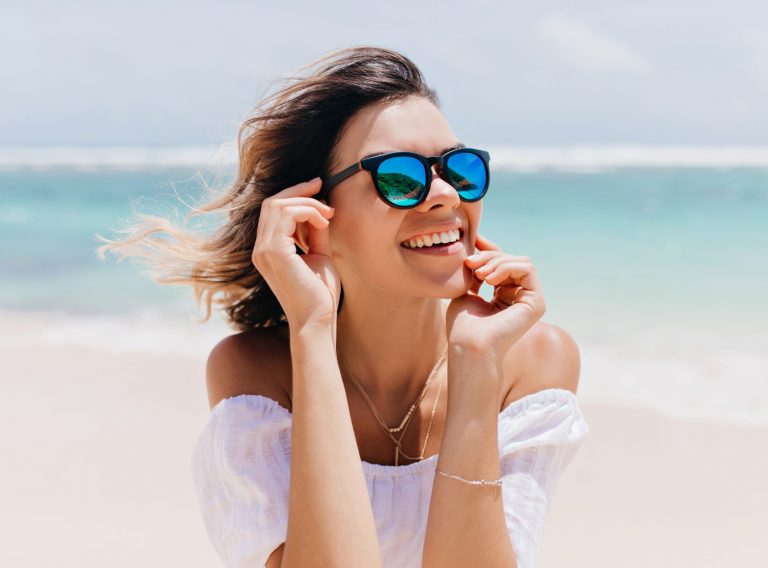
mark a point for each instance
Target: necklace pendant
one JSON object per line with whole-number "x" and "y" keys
{"x": 397, "y": 455}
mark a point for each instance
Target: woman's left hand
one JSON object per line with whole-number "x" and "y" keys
{"x": 491, "y": 328}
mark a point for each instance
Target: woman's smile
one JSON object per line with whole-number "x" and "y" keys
{"x": 439, "y": 250}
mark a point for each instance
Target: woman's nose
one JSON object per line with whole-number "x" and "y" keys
{"x": 440, "y": 191}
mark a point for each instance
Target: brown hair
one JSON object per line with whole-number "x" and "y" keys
{"x": 289, "y": 137}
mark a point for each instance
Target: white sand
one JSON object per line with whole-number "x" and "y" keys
{"x": 96, "y": 446}
{"x": 645, "y": 490}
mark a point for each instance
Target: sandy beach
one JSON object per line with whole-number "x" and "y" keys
{"x": 97, "y": 443}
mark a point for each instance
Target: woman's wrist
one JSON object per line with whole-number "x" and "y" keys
{"x": 313, "y": 337}
{"x": 312, "y": 325}
{"x": 472, "y": 354}
{"x": 474, "y": 382}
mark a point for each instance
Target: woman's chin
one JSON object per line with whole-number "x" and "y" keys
{"x": 458, "y": 285}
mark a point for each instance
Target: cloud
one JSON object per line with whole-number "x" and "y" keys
{"x": 589, "y": 50}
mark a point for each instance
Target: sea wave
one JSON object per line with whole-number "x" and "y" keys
{"x": 576, "y": 158}
{"x": 86, "y": 158}
{"x": 598, "y": 158}
{"x": 693, "y": 377}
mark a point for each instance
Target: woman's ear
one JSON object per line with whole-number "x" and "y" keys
{"x": 301, "y": 237}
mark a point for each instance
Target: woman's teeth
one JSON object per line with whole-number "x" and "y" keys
{"x": 433, "y": 239}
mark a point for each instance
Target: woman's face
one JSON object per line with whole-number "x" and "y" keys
{"x": 367, "y": 235}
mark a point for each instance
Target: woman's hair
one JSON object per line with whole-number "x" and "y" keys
{"x": 289, "y": 138}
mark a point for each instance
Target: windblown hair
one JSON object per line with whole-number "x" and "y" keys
{"x": 289, "y": 137}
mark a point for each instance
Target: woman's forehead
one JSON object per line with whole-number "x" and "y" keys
{"x": 414, "y": 124}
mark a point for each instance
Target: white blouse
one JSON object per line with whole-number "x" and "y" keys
{"x": 241, "y": 469}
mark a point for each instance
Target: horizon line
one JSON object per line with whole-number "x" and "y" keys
{"x": 513, "y": 157}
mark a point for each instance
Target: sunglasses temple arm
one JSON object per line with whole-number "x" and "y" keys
{"x": 339, "y": 177}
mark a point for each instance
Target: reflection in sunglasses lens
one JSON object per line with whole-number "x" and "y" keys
{"x": 402, "y": 179}
{"x": 466, "y": 172}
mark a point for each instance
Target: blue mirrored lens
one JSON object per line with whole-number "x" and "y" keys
{"x": 402, "y": 180}
{"x": 466, "y": 172}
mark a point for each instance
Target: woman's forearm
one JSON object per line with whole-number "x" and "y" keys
{"x": 469, "y": 449}
{"x": 330, "y": 521}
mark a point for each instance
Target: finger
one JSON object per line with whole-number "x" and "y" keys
{"x": 492, "y": 263}
{"x": 318, "y": 241}
{"x": 480, "y": 258}
{"x": 508, "y": 295}
{"x": 305, "y": 188}
{"x": 514, "y": 273}
{"x": 475, "y": 286}
{"x": 271, "y": 210}
{"x": 308, "y": 201}
{"x": 519, "y": 292}
{"x": 276, "y": 210}
{"x": 481, "y": 243}
{"x": 499, "y": 277}
{"x": 278, "y": 235}
{"x": 292, "y": 215}
{"x": 533, "y": 299}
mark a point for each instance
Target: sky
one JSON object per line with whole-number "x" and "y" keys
{"x": 169, "y": 73}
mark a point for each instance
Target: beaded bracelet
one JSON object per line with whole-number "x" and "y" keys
{"x": 496, "y": 482}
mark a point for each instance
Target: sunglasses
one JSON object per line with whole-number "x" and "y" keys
{"x": 403, "y": 179}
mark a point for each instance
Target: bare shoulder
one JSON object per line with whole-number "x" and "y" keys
{"x": 545, "y": 357}
{"x": 250, "y": 362}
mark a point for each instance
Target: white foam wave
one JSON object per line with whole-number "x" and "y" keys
{"x": 695, "y": 378}
{"x": 598, "y": 158}
{"x": 143, "y": 333}
{"x": 712, "y": 384}
{"x": 577, "y": 158}
{"x": 117, "y": 157}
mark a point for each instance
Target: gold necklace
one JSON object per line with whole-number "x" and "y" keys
{"x": 406, "y": 420}
{"x": 429, "y": 427}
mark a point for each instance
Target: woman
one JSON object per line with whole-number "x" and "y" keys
{"x": 355, "y": 212}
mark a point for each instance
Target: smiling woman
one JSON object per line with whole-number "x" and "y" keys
{"x": 355, "y": 300}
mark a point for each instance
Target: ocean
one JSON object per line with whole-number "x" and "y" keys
{"x": 659, "y": 269}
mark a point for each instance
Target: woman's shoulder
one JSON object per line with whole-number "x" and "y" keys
{"x": 545, "y": 357}
{"x": 256, "y": 361}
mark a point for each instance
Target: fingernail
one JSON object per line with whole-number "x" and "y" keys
{"x": 472, "y": 257}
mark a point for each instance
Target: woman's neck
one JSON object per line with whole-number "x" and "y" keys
{"x": 391, "y": 343}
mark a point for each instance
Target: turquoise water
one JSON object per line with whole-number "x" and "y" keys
{"x": 643, "y": 247}
{"x": 659, "y": 274}
{"x": 615, "y": 249}
{"x": 48, "y": 224}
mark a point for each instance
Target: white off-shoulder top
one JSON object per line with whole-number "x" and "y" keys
{"x": 241, "y": 470}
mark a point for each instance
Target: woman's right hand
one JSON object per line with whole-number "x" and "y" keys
{"x": 307, "y": 286}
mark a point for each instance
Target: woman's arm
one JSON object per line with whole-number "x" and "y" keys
{"x": 330, "y": 521}
{"x": 466, "y": 525}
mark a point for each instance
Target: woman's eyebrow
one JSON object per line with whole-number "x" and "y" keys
{"x": 372, "y": 154}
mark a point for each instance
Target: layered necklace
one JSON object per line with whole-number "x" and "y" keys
{"x": 404, "y": 423}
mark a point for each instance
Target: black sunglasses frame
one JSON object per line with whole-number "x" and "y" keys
{"x": 371, "y": 165}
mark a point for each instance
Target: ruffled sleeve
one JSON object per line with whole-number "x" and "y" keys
{"x": 241, "y": 470}
{"x": 539, "y": 435}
